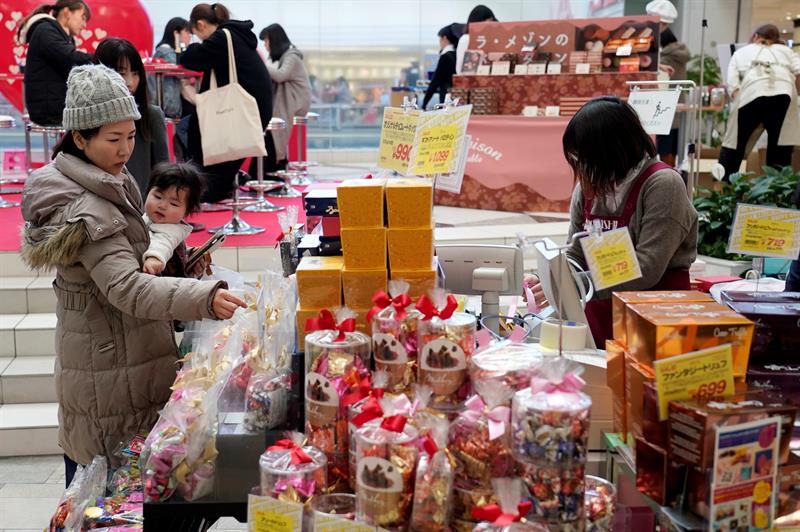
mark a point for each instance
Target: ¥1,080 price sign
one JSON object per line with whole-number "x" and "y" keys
{"x": 397, "y": 138}
{"x": 611, "y": 258}
{"x": 697, "y": 375}
{"x": 765, "y": 232}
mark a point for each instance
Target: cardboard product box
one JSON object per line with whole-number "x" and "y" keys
{"x": 654, "y": 431}
{"x": 362, "y": 325}
{"x": 321, "y": 202}
{"x": 656, "y": 331}
{"x": 788, "y": 511}
{"x": 691, "y": 424}
{"x": 330, "y": 246}
{"x": 319, "y": 282}
{"x": 409, "y": 202}
{"x": 636, "y": 375}
{"x": 331, "y": 227}
{"x": 359, "y": 286}
{"x": 361, "y": 202}
{"x": 621, "y": 300}
{"x": 657, "y": 476}
{"x": 420, "y": 281}
{"x": 302, "y": 316}
{"x": 780, "y": 377}
{"x": 364, "y": 248}
{"x": 410, "y": 248}
{"x": 777, "y": 325}
{"x": 615, "y": 380}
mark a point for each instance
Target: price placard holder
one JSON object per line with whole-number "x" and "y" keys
{"x": 611, "y": 258}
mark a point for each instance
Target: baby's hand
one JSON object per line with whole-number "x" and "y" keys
{"x": 153, "y": 266}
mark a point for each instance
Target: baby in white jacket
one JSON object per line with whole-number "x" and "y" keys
{"x": 172, "y": 194}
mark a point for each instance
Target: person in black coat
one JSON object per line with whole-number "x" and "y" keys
{"x": 442, "y": 79}
{"x": 49, "y": 32}
{"x": 207, "y": 22}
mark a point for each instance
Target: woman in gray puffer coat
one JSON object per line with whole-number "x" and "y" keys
{"x": 292, "y": 94}
{"x": 115, "y": 349}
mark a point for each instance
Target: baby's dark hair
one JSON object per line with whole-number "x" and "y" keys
{"x": 181, "y": 176}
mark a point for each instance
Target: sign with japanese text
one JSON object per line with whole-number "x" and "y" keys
{"x": 265, "y": 514}
{"x": 397, "y": 138}
{"x": 656, "y": 109}
{"x": 744, "y": 483}
{"x": 611, "y": 258}
{"x": 765, "y": 232}
{"x": 697, "y": 375}
{"x": 440, "y": 134}
{"x": 452, "y": 181}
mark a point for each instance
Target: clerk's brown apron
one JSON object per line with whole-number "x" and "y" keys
{"x": 598, "y": 311}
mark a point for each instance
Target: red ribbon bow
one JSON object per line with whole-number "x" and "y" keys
{"x": 429, "y": 310}
{"x": 299, "y": 456}
{"x": 382, "y": 300}
{"x": 279, "y": 239}
{"x": 364, "y": 389}
{"x": 429, "y": 446}
{"x": 326, "y": 322}
{"x": 394, "y": 423}
{"x": 371, "y": 410}
{"x": 492, "y": 513}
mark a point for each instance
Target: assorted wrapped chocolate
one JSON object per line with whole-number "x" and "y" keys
{"x": 434, "y": 480}
{"x": 293, "y": 472}
{"x": 394, "y": 336}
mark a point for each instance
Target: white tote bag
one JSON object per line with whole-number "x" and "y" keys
{"x": 230, "y": 124}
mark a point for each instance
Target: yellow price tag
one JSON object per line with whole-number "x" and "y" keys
{"x": 267, "y": 521}
{"x": 611, "y": 258}
{"x": 765, "y": 232}
{"x": 701, "y": 374}
{"x": 397, "y": 138}
{"x": 436, "y": 151}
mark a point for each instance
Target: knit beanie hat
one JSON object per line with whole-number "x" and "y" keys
{"x": 96, "y": 96}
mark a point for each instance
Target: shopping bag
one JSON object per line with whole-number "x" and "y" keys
{"x": 230, "y": 124}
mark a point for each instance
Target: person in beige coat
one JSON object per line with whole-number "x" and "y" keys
{"x": 292, "y": 94}
{"x": 116, "y": 355}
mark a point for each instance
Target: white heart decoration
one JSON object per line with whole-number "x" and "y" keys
{"x": 78, "y": 41}
{"x": 95, "y": 44}
{"x": 10, "y": 25}
{"x": 14, "y": 69}
{"x": 85, "y": 34}
{"x": 19, "y": 50}
{"x": 1, "y": 15}
{"x": 16, "y": 15}
{"x": 100, "y": 33}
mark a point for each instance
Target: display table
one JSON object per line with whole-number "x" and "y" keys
{"x": 515, "y": 164}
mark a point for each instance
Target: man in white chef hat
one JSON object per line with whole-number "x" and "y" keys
{"x": 674, "y": 57}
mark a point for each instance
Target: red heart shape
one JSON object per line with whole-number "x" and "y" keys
{"x": 110, "y": 18}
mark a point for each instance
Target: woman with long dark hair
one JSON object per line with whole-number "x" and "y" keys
{"x": 442, "y": 79}
{"x": 479, "y": 13}
{"x": 50, "y": 31}
{"x": 621, "y": 183}
{"x": 176, "y": 95}
{"x": 151, "y": 133}
{"x": 292, "y": 95}
{"x": 207, "y": 22}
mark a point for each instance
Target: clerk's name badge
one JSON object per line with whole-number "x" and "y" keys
{"x": 611, "y": 258}
{"x": 765, "y": 232}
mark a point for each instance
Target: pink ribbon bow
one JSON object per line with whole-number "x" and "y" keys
{"x": 571, "y": 383}
{"x": 497, "y": 416}
{"x": 403, "y": 406}
{"x": 305, "y": 488}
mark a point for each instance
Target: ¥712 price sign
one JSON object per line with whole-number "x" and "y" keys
{"x": 765, "y": 232}
{"x": 697, "y": 375}
{"x": 611, "y": 258}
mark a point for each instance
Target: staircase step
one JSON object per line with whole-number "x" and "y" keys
{"x": 35, "y": 335}
{"x": 28, "y": 380}
{"x": 29, "y": 429}
{"x": 8, "y": 322}
{"x": 22, "y": 295}
{"x": 41, "y": 296}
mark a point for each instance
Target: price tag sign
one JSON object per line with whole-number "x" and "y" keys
{"x": 765, "y": 232}
{"x": 582, "y": 68}
{"x": 397, "y": 138}
{"x": 554, "y": 68}
{"x": 697, "y": 375}
{"x": 656, "y": 109}
{"x": 452, "y": 181}
{"x": 625, "y": 50}
{"x": 265, "y": 514}
{"x": 436, "y": 150}
{"x": 537, "y": 68}
{"x": 611, "y": 258}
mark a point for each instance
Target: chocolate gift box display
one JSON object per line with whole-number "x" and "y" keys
{"x": 293, "y": 472}
{"x": 480, "y": 439}
{"x": 387, "y": 454}
{"x": 446, "y": 343}
{"x": 394, "y": 336}
{"x": 337, "y": 360}
{"x": 600, "y": 502}
{"x": 550, "y": 427}
{"x": 363, "y": 405}
{"x": 434, "y": 480}
{"x": 783, "y": 376}
{"x": 508, "y": 363}
{"x": 621, "y": 301}
{"x": 776, "y": 316}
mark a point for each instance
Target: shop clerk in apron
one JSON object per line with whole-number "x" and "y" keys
{"x": 622, "y": 183}
{"x": 762, "y": 80}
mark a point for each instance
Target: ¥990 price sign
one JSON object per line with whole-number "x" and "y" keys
{"x": 402, "y": 152}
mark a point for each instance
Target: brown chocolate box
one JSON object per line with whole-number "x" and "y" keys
{"x": 621, "y": 300}
{"x": 615, "y": 380}
{"x": 635, "y": 377}
{"x": 657, "y": 475}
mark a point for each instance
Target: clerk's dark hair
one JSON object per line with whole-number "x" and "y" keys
{"x": 769, "y": 32}
{"x": 114, "y": 53}
{"x": 451, "y": 32}
{"x": 174, "y": 24}
{"x": 54, "y": 10}
{"x": 479, "y": 13}
{"x": 211, "y": 13}
{"x": 181, "y": 176}
{"x": 279, "y": 42}
{"x": 603, "y": 142}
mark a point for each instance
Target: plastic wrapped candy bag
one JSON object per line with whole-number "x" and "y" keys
{"x": 511, "y": 363}
{"x": 363, "y": 405}
{"x": 446, "y": 342}
{"x": 127, "y": 478}
{"x": 267, "y": 401}
{"x": 386, "y": 466}
{"x": 480, "y": 437}
{"x": 87, "y": 485}
{"x": 293, "y": 472}
{"x": 508, "y": 510}
{"x": 394, "y": 335}
{"x": 434, "y": 480}
{"x": 600, "y": 502}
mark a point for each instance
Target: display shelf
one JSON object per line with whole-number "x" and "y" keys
{"x": 620, "y": 458}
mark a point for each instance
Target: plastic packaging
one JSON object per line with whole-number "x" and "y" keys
{"x": 365, "y": 408}
{"x": 434, "y": 480}
{"x": 509, "y": 508}
{"x": 127, "y": 478}
{"x": 480, "y": 438}
{"x": 335, "y": 339}
{"x": 510, "y": 363}
{"x": 446, "y": 343}
{"x": 333, "y": 506}
{"x": 394, "y": 336}
{"x": 600, "y": 502}
{"x": 556, "y": 492}
{"x": 87, "y": 485}
{"x": 293, "y": 472}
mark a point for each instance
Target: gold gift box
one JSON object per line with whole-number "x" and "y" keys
{"x": 620, "y": 301}
{"x": 666, "y": 330}
{"x": 360, "y": 286}
{"x": 410, "y": 248}
{"x": 409, "y": 202}
{"x": 319, "y": 282}
{"x": 360, "y": 202}
{"x": 364, "y": 248}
